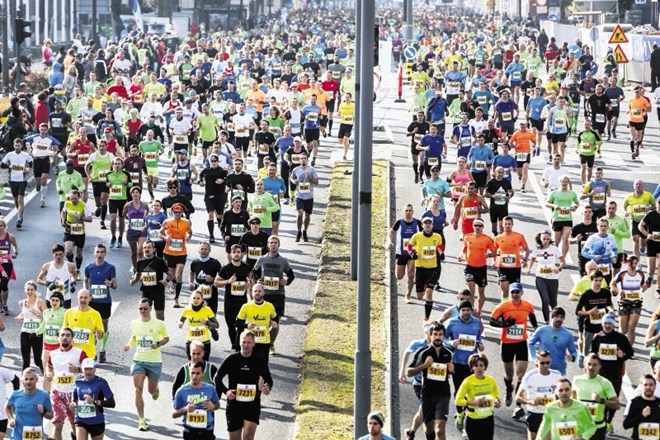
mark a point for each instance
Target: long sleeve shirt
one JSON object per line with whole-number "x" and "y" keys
{"x": 556, "y": 342}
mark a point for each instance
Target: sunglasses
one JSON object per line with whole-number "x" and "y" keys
{"x": 544, "y": 363}
{"x": 515, "y": 292}
{"x": 478, "y": 226}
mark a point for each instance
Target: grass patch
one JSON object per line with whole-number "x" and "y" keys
{"x": 325, "y": 408}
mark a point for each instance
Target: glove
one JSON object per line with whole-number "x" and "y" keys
{"x": 414, "y": 255}
{"x": 50, "y": 284}
{"x": 510, "y": 322}
{"x": 72, "y": 287}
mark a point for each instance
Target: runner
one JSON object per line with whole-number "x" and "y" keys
{"x": 649, "y": 227}
{"x": 8, "y": 249}
{"x": 149, "y": 335}
{"x": 563, "y": 203}
{"x": 151, "y": 149}
{"x": 42, "y": 147}
{"x": 259, "y": 317}
{"x": 203, "y": 271}
{"x": 477, "y": 247}
{"x": 31, "y": 313}
{"x": 636, "y": 205}
{"x": 468, "y": 208}
{"x": 593, "y": 305}
{"x": 97, "y": 167}
{"x": 305, "y": 178}
{"x": 588, "y": 142}
{"x": 199, "y": 319}
{"x": 556, "y": 340}
{"x": 599, "y": 106}
{"x": 525, "y": 144}
{"x": 434, "y": 148}
{"x": 638, "y": 108}
{"x": 346, "y": 112}
{"x": 480, "y": 159}
{"x": 375, "y": 422}
{"x": 58, "y": 276}
{"x": 136, "y": 211}
{"x": 91, "y": 394}
{"x": 426, "y": 249}
{"x": 183, "y": 376}
{"x": 68, "y": 180}
{"x": 86, "y": 324}
{"x": 547, "y": 274}
{"x": 246, "y": 373}
{"x": 566, "y": 417}
{"x": 499, "y": 191}
{"x": 263, "y": 206}
{"x": 213, "y": 180}
{"x": 416, "y": 131}
{"x": 404, "y": 229}
{"x": 237, "y": 279}
{"x": 559, "y": 119}
{"x": 176, "y": 231}
{"x": 416, "y": 381}
{"x": 6, "y": 377}
{"x": 507, "y": 247}
{"x": 643, "y": 412}
{"x": 254, "y": 242}
{"x": 27, "y": 408}
{"x": 19, "y": 163}
{"x": 601, "y": 249}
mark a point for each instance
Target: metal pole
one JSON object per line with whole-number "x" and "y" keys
{"x": 364, "y": 88}
{"x": 94, "y": 20}
{"x": 5, "y": 47}
{"x": 356, "y": 148}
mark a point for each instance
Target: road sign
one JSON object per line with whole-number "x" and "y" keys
{"x": 618, "y": 36}
{"x": 619, "y": 56}
{"x": 410, "y": 52}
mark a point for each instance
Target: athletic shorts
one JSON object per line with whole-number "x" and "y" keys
{"x": 620, "y": 258}
{"x": 630, "y": 308}
{"x": 238, "y": 412}
{"x": 174, "y": 260}
{"x": 242, "y": 143}
{"x": 480, "y": 178}
{"x": 345, "y": 131}
{"x": 515, "y": 350}
{"x": 417, "y": 389}
{"x": 279, "y": 303}
{"x": 152, "y": 171}
{"x": 614, "y": 113}
{"x": 559, "y": 226}
{"x": 478, "y": 275}
{"x": 509, "y": 274}
{"x": 558, "y": 137}
{"x": 116, "y": 206}
{"x": 306, "y": 205}
{"x": 434, "y": 407}
{"x": 520, "y": 163}
{"x": 426, "y": 278}
{"x": 198, "y": 434}
{"x": 639, "y": 126}
{"x": 498, "y": 212}
{"x": 589, "y": 160}
{"x": 537, "y": 124}
{"x": 275, "y": 216}
{"x": 598, "y": 126}
{"x": 133, "y": 236}
{"x": 312, "y": 134}
{"x": 41, "y": 165}
{"x": 104, "y": 308}
{"x": 78, "y": 240}
{"x": 152, "y": 370}
{"x": 216, "y": 204}
{"x": 507, "y": 127}
{"x": 635, "y": 228}
{"x": 652, "y": 248}
{"x": 61, "y": 402}
{"x": 206, "y": 145}
{"x": 100, "y": 188}
{"x": 402, "y": 260}
{"x": 534, "y": 421}
{"x": 330, "y": 105}
{"x": 92, "y": 430}
{"x": 156, "y": 297}
{"x": 17, "y": 188}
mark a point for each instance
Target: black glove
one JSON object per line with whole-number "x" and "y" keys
{"x": 414, "y": 255}
{"x": 50, "y": 284}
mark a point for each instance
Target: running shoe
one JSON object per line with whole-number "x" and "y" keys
{"x": 614, "y": 134}
{"x": 19, "y": 223}
{"x": 657, "y": 293}
{"x": 211, "y": 239}
{"x": 313, "y": 161}
{"x": 580, "y": 361}
{"x": 97, "y": 212}
{"x": 176, "y": 304}
{"x": 273, "y": 352}
{"x": 143, "y": 425}
{"x": 103, "y": 226}
{"x": 78, "y": 275}
{"x": 5, "y": 310}
{"x": 409, "y": 299}
{"x": 304, "y": 235}
{"x": 509, "y": 398}
{"x": 610, "y": 429}
{"x": 518, "y": 412}
{"x": 156, "y": 395}
{"x": 410, "y": 434}
{"x": 119, "y": 245}
{"x": 459, "y": 421}
{"x": 550, "y": 158}
{"x": 102, "y": 357}
{"x": 298, "y": 235}
{"x": 113, "y": 242}
{"x": 42, "y": 204}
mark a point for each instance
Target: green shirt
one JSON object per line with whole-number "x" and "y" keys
{"x": 51, "y": 325}
{"x": 74, "y": 106}
{"x": 564, "y": 200}
{"x": 621, "y": 230}
{"x": 207, "y": 124}
{"x": 119, "y": 182}
{"x": 587, "y": 141}
{"x": 263, "y": 206}
{"x": 584, "y": 388}
{"x": 145, "y": 334}
{"x": 65, "y": 183}
{"x": 564, "y": 422}
{"x": 150, "y": 152}
{"x": 101, "y": 165}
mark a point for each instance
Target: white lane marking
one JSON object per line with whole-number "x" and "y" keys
{"x": 14, "y": 212}
{"x": 115, "y": 305}
{"x": 627, "y": 388}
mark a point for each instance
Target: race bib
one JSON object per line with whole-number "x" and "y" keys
{"x": 99, "y": 291}
{"x": 77, "y": 229}
{"x": 428, "y": 252}
{"x": 639, "y": 210}
{"x": 18, "y": 168}
{"x": 600, "y": 118}
{"x": 598, "y": 198}
{"x": 597, "y": 318}
{"x": 149, "y": 279}
{"x": 238, "y": 288}
{"x": 546, "y": 270}
{"x": 263, "y": 149}
{"x": 182, "y": 174}
{"x": 180, "y": 139}
{"x": 482, "y": 100}
{"x": 648, "y": 431}
{"x": 151, "y": 156}
{"x": 154, "y": 235}
{"x": 631, "y": 295}
{"x": 480, "y": 165}
{"x": 517, "y": 75}
{"x": 564, "y": 212}
{"x": 271, "y": 283}
{"x": 593, "y": 409}
{"x": 254, "y": 252}
{"x": 521, "y": 157}
{"x": 32, "y": 433}
{"x": 304, "y": 187}
{"x": 515, "y": 332}
{"x": 312, "y": 116}
{"x": 196, "y": 419}
{"x": 567, "y": 430}
{"x": 144, "y": 343}
{"x": 560, "y": 122}
{"x": 207, "y": 292}
{"x": 607, "y": 352}
{"x": 259, "y": 334}
{"x": 487, "y": 407}
{"x": 196, "y": 332}
{"x": 237, "y": 230}
{"x": 103, "y": 174}
{"x": 81, "y": 335}
{"x": 116, "y": 190}
{"x": 348, "y": 119}
{"x": 135, "y": 176}
{"x": 176, "y": 244}
{"x": 466, "y": 141}
{"x": 508, "y": 260}
{"x": 470, "y": 213}
{"x": 437, "y": 371}
{"x": 245, "y": 392}
{"x": 242, "y": 131}
{"x": 546, "y": 399}
{"x": 137, "y": 223}
{"x": 604, "y": 268}
{"x": 30, "y": 325}
{"x": 82, "y": 158}
{"x": 51, "y": 334}
{"x": 467, "y": 342}
{"x": 64, "y": 380}
{"x": 432, "y": 161}
{"x": 506, "y": 116}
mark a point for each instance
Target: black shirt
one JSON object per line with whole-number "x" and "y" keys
{"x": 635, "y": 417}
{"x": 422, "y": 129}
{"x": 586, "y": 231}
{"x": 150, "y": 267}
{"x": 598, "y": 104}
{"x": 590, "y": 299}
{"x": 243, "y": 179}
{"x": 435, "y": 379}
{"x": 214, "y": 189}
{"x": 236, "y": 292}
{"x": 246, "y": 371}
{"x": 499, "y": 187}
{"x": 200, "y": 269}
{"x": 236, "y": 222}
{"x": 254, "y": 246}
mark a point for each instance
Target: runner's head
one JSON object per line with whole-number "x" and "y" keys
{"x": 609, "y": 323}
{"x": 197, "y": 372}
{"x": 478, "y": 225}
{"x": 515, "y": 291}
{"x": 204, "y": 249}
{"x": 196, "y": 351}
{"x": 375, "y": 422}
{"x": 465, "y": 309}
{"x": 56, "y": 300}
{"x": 478, "y": 362}
{"x": 247, "y": 342}
{"x": 648, "y": 384}
{"x": 558, "y": 315}
{"x": 57, "y": 250}
{"x": 66, "y": 334}
{"x": 543, "y": 360}
{"x": 564, "y": 390}
{"x": 592, "y": 365}
{"x": 30, "y": 379}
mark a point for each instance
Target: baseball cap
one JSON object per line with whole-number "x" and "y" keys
{"x": 87, "y": 363}
{"x": 107, "y": 130}
{"x": 236, "y": 198}
{"x": 465, "y": 304}
{"x": 182, "y": 151}
{"x": 427, "y": 219}
{"x": 254, "y": 220}
{"x": 515, "y": 287}
{"x": 609, "y": 319}
{"x": 435, "y": 168}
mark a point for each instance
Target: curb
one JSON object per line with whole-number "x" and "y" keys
{"x": 392, "y": 315}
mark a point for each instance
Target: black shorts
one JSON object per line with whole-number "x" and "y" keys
{"x": 558, "y": 137}
{"x": 515, "y": 350}
{"x": 324, "y": 121}
{"x": 17, "y": 188}
{"x": 345, "y": 130}
{"x": 509, "y": 274}
{"x": 198, "y": 434}
{"x": 275, "y": 216}
{"x": 599, "y": 213}
{"x": 635, "y": 228}
{"x": 652, "y": 248}
{"x": 614, "y": 113}
{"x": 116, "y": 206}
{"x": 521, "y": 163}
{"x": 156, "y": 296}
{"x": 537, "y": 124}
{"x": 589, "y": 160}
{"x": 216, "y": 204}
{"x": 480, "y": 178}
{"x": 434, "y": 407}
{"x": 279, "y": 302}
{"x": 174, "y": 260}
{"x": 402, "y": 260}
{"x": 82, "y": 172}
{"x": 206, "y": 145}
{"x": 639, "y": 126}
{"x": 238, "y": 412}
{"x": 598, "y": 126}
{"x": 306, "y": 205}
{"x": 620, "y": 258}
{"x": 426, "y": 278}
{"x": 92, "y": 430}
{"x": 41, "y": 165}
{"x": 312, "y": 134}
{"x": 508, "y": 128}
{"x": 3, "y": 425}
{"x": 100, "y": 188}
{"x": 78, "y": 240}
{"x": 417, "y": 389}
{"x": 330, "y": 105}
{"x": 498, "y": 212}
{"x": 242, "y": 143}
{"x": 104, "y": 308}
{"x": 478, "y": 275}
{"x": 559, "y": 226}
{"x": 534, "y": 421}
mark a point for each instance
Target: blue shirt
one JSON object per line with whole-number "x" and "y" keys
{"x": 96, "y": 277}
{"x": 505, "y": 110}
{"x": 507, "y": 162}
{"x": 98, "y": 389}
{"x": 284, "y": 144}
{"x": 383, "y": 437}
{"x": 480, "y": 158}
{"x": 275, "y": 186}
{"x": 439, "y": 187}
{"x": 412, "y": 349}
{"x": 25, "y": 409}
{"x": 439, "y": 110}
{"x": 484, "y": 99}
{"x": 436, "y": 144}
{"x": 556, "y": 342}
{"x": 438, "y": 222}
{"x": 457, "y": 327}
{"x": 187, "y": 394}
{"x": 312, "y": 115}
{"x": 514, "y": 72}
{"x": 536, "y": 107}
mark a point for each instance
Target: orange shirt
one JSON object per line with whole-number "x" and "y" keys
{"x": 522, "y": 141}
{"x": 322, "y": 98}
{"x": 258, "y": 98}
{"x": 177, "y": 230}
{"x": 519, "y": 312}
{"x": 636, "y": 107}
{"x": 508, "y": 249}
{"x": 475, "y": 249}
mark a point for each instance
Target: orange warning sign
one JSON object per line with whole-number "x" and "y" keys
{"x": 618, "y": 36}
{"x": 619, "y": 55}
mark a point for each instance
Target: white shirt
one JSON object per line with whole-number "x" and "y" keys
{"x": 553, "y": 176}
{"x": 6, "y": 376}
{"x": 18, "y": 165}
{"x": 538, "y": 385}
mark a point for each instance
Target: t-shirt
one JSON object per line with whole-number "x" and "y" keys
{"x": 197, "y": 330}
{"x": 147, "y": 333}
{"x": 200, "y": 418}
{"x": 98, "y": 389}
{"x": 96, "y": 277}
{"x": 539, "y": 385}
{"x": 567, "y": 423}
{"x": 473, "y": 388}
{"x": 520, "y": 313}
{"x": 260, "y": 315}
{"x": 547, "y": 259}
{"x": 564, "y": 201}
{"x": 28, "y": 418}
{"x": 499, "y": 190}
{"x": 602, "y": 300}
{"x": 584, "y": 387}
{"x": 475, "y": 249}
{"x": 426, "y": 247}
{"x": 638, "y": 205}
{"x": 84, "y": 325}
{"x": 507, "y": 246}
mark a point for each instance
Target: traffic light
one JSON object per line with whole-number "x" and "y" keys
{"x": 22, "y": 30}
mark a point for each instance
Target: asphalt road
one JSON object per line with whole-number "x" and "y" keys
{"x": 530, "y": 218}
{"x": 41, "y": 229}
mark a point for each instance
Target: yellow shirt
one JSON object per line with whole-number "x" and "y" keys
{"x": 347, "y": 113}
{"x": 84, "y": 326}
{"x": 260, "y": 315}
{"x": 426, "y": 248}
{"x": 449, "y": 59}
{"x": 638, "y": 205}
{"x": 197, "y": 330}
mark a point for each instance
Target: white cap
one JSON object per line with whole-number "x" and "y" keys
{"x": 87, "y": 363}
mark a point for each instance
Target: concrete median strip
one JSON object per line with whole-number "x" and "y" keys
{"x": 325, "y": 406}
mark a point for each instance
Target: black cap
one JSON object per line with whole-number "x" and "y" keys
{"x": 465, "y": 304}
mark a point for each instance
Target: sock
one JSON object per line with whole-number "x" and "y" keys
{"x": 42, "y": 193}
{"x": 330, "y": 125}
{"x": 104, "y": 212}
{"x": 517, "y": 386}
{"x": 209, "y": 224}
{"x": 69, "y": 258}
{"x": 509, "y": 385}
{"x": 632, "y": 146}
{"x": 428, "y": 306}
{"x": 78, "y": 262}
{"x": 416, "y": 169}
{"x": 430, "y": 435}
{"x": 178, "y": 290}
{"x": 151, "y": 193}
{"x": 38, "y": 188}
{"x": 114, "y": 238}
{"x": 104, "y": 341}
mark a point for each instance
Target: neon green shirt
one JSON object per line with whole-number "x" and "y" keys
{"x": 564, "y": 422}
{"x": 145, "y": 334}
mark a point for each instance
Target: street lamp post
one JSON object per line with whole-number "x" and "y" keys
{"x": 4, "y": 24}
